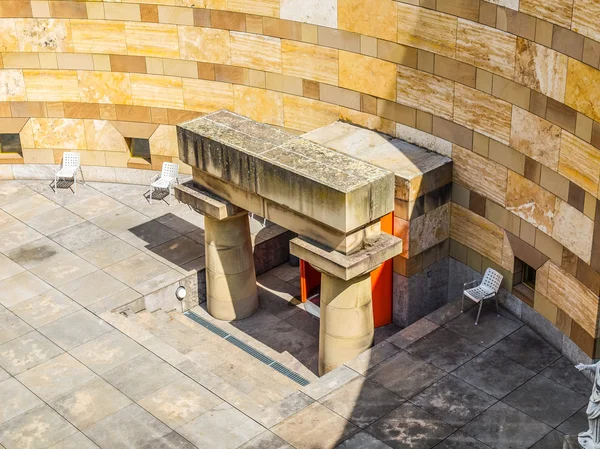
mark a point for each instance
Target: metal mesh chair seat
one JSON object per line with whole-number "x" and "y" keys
{"x": 166, "y": 179}
{"x": 479, "y": 293}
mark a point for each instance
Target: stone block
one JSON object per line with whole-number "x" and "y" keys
{"x": 205, "y": 202}
{"x": 368, "y": 75}
{"x": 256, "y": 52}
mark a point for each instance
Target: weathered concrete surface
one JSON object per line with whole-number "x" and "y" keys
{"x": 205, "y": 202}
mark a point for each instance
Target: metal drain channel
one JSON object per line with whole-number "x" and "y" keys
{"x": 248, "y": 349}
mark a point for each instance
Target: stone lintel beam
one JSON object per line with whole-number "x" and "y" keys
{"x": 205, "y": 202}
{"x": 347, "y": 267}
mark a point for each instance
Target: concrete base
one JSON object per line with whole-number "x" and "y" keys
{"x": 230, "y": 275}
{"x": 347, "y": 326}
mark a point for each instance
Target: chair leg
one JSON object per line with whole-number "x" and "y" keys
{"x": 169, "y": 196}
{"x": 462, "y": 303}
{"x": 151, "y": 192}
{"x": 479, "y": 312}
{"x": 82, "y": 178}
{"x": 75, "y": 182}
{"x": 497, "y": 310}
{"x": 55, "y": 184}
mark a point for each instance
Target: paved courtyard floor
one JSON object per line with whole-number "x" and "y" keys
{"x": 76, "y": 375}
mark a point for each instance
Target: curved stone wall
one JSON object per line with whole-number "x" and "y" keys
{"x": 509, "y": 88}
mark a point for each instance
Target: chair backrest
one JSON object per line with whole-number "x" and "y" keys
{"x": 71, "y": 159}
{"x": 492, "y": 279}
{"x": 169, "y": 170}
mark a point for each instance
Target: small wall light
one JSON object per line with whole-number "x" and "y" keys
{"x": 180, "y": 293}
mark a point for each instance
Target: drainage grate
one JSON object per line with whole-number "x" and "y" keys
{"x": 248, "y": 349}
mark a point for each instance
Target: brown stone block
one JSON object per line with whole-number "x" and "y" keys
{"x": 157, "y": 161}
{"x": 474, "y": 259}
{"x": 589, "y": 206}
{"x": 561, "y": 115}
{"x": 337, "y": 95}
{"x": 582, "y": 339}
{"x": 555, "y": 183}
{"x": 82, "y": 110}
{"x": 425, "y": 121}
{"x": 567, "y": 42}
{"x": 159, "y": 115}
{"x": 576, "y": 196}
{"x": 108, "y": 112}
{"x": 469, "y": 9}
{"x": 133, "y": 113}
{"x": 537, "y": 104}
{"x": 458, "y": 251}
{"x": 595, "y": 140}
{"x": 506, "y": 156}
{"x": 595, "y": 262}
{"x": 28, "y": 109}
{"x": 455, "y": 70}
{"x": 487, "y": 14}
{"x": 443, "y": 249}
{"x": 430, "y": 256}
{"x": 516, "y": 23}
{"x": 547, "y": 245}
{"x": 139, "y": 163}
{"x": 284, "y": 29}
{"x": 569, "y": 262}
{"x": 484, "y": 81}
{"x": 15, "y": 8}
{"x": 396, "y": 112}
{"x": 563, "y": 322}
{"x": 543, "y": 32}
{"x": 149, "y": 13}
{"x": 68, "y": 10}
{"x": 527, "y": 233}
{"x": 311, "y": 89}
{"x": 55, "y": 109}
{"x": 452, "y": 132}
{"x": 368, "y": 104}
{"x": 408, "y": 267}
{"x": 254, "y": 24}
{"x": 226, "y": 20}
{"x": 130, "y": 64}
{"x": 425, "y": 61}
{"x": 177, "y": 116}
{"x": 342, "y": 40}
{"x": 533, "y": 170}
{"x": 481, "y": 144}
{"x": 510, "y": 91}
{"x": 583, "y": 127}
{"x": 502, "y": 217}
{"x": 591, "y": 52}
{"x": 201, "y": 17}
{"x": 477, "y": 204}
{"x": 397, "y": 53}
{"x": 206, "y": 71}
{"x": 429, "y": 4}
{"x": 230, "y": 74}
{"x": 588, "y": 276}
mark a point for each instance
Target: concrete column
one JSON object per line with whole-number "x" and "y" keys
{"x": 231, "y": 291}
{"x": 346, "y": 320}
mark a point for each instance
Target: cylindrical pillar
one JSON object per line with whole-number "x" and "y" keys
{"x": 231, "y": 292}
{"x": 347, "y": 326}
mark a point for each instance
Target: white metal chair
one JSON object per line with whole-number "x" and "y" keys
{"x": 165, "y": 180}
{"x": 487, "y": 289}
{"x": 68, "y": 170}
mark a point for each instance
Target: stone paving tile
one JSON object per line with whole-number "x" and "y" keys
{"x": 445, "y": 349}
{"x": 361, "y": 401}
{"x": 132, "y": 377}
{"x": 412, "y": 333}
{"x": 405, "y": 374}
{"x": 11, "y": 326}
{"x": 180, "y": 402}
{"x": 179, "y": 251}
{"x": 3, "y": 375}
{"x": 30, "y": 207}
{"x": 21, "y": 287}
{"x": 285, "y": 272}
{"x": 54, "y": 221}
{"x": 15, "y": 400}
{"x": 329, "y": 382}
{"x": 36, "y": 429}
{"x": 106, "y": 252}
{"x": 315, "y": 427}
{"x": 56, "y": 376}
{"x": 362, "y": 440}
{"x": 223, "y": 427}
{"x": 115, "y": 301}
{"x": 92, "y": 288}
{"x": 494, "y": 374}
{"x": 75, "y": 329}
{"x": 130, "y": 428}
{"x": 528, "y": 349}
{"x": 36, "y": 253}
{"x": 156, "y": 283}
{"x": 94, "y": 206}
{"x": 459, "y": 440}
{"x": 45, "y": 308}
{"x": 410, "y": 427}
{"x": 372, "y": 357}
{"x": 546, "y": 400}
{"x": 282, "y": 410}
{"x": 564, "y": 372}
{"x": 15, "y": 235}
{"x": 79, "y": 236}
{"x": 120, "y": 220}
{"x": 171, "y": 440}
{"x": 64, "y": 270}
{"x": 27, "y": 351}
{"x": 285, "y": 337}
{"x": 12, "y": 191}
{"x": 108, "y": 351}
{"x": 136, "y": 269}
{"x": 578, "y": 422}
{"x": 261, "y": 320}
{"x": 504, "y": 427}
{"x": 448, "y": 312}
{"x": 491, "y": 329}
{"x": 266, "y": 440}
{"x": 76, "y": 441}
{"x": 149, "y": 234}
{"x": 45, "y": 188}
{"x": 9, "y": 269}
{"x": 6, "y": 219}
{"x": 554, "y": 440}
{"x": 179, "y": 223}
{"x": 454, "y": 401}
{"x": 89, "y": 403}
{"x": 384, "y": 332}
{"x": 306, "y": 323}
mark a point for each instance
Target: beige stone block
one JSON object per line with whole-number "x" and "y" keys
{"x": 105, "y": 87}
{"x": 368, "y": 46}
{"x": 26, "y": 135}
{"x": 71, "y": 61}
{"x": 573, "y": 230}
{"x": 589, "y": 206}
{"x": 102, "y": 63}
{"x": 21, "y": 60}
{"x": 555, "y": 183}
{"x": 205, "y": 44}
{"x": 583, "y": 128}
{"x": 40, "y": 8}
{"x": 527, "y": 233}
{"x": 163, "y": 141}
{"x": 95, "y": 11}
{"x": 585, "y": 15}
{"x": 428, "y": 30}
{"x": 44, "y": 35}
{"x": 368, "y": 75}
{"x": 12, "y": 85}
{"x": 400, "y": 54}
{"x": 530, "y": 202}
{"x": 186, "y": 69}
{"x": 541, "y": 68}
{"x": 426, "y": 92}
{"x": 506, "y": 156}
{"x": 305, "y": 114}
{"x": 175, "y": 15}
{"x": 367, "y": 120}
{"x": 428, "y": 230}
{"x": 259, "y": 104}
{"x": 156, "y": 91}
{"x": 116, "y": 159}
{"x": 340, "y": 39}
{"x": 283, "y": 83}
{"x": 152, "y": 39}
{"x": 476, "y": 232}
{"x": 579, "y": 162}
{"x": 257, "y": 78}
{"x": 101, "y": 135}
{"x": 482, "y": 113}
{"x": 8, "y": 36}
{"x": 510, "y": 91}
{"x": 122, "y": 11}
{"x": 256, "y": 52}
{"x": 207, "y": 96}
{"x": 95, "y": 36}
{"x": 470, "y": 168}
{"x": 336, "y": 95}
{"x": 535, "y": 137}
{"x": 154, "y": 66}
{"x": 58, "y": 133}
{"x": 310, "y": 33}
{"x": 310, "y": 61}
{"x": 485, "y": 47}
{"x": 377, "y": 18}
{"x": 48, "y": 60}
{"x": 269, "y": 8}
{"x": 555, "y": 11}
{"x": 51, "y": 85}
{"x": 543, "y": 306}
{"x": 35, "y": 156}
{"x": 583, "y": 89}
